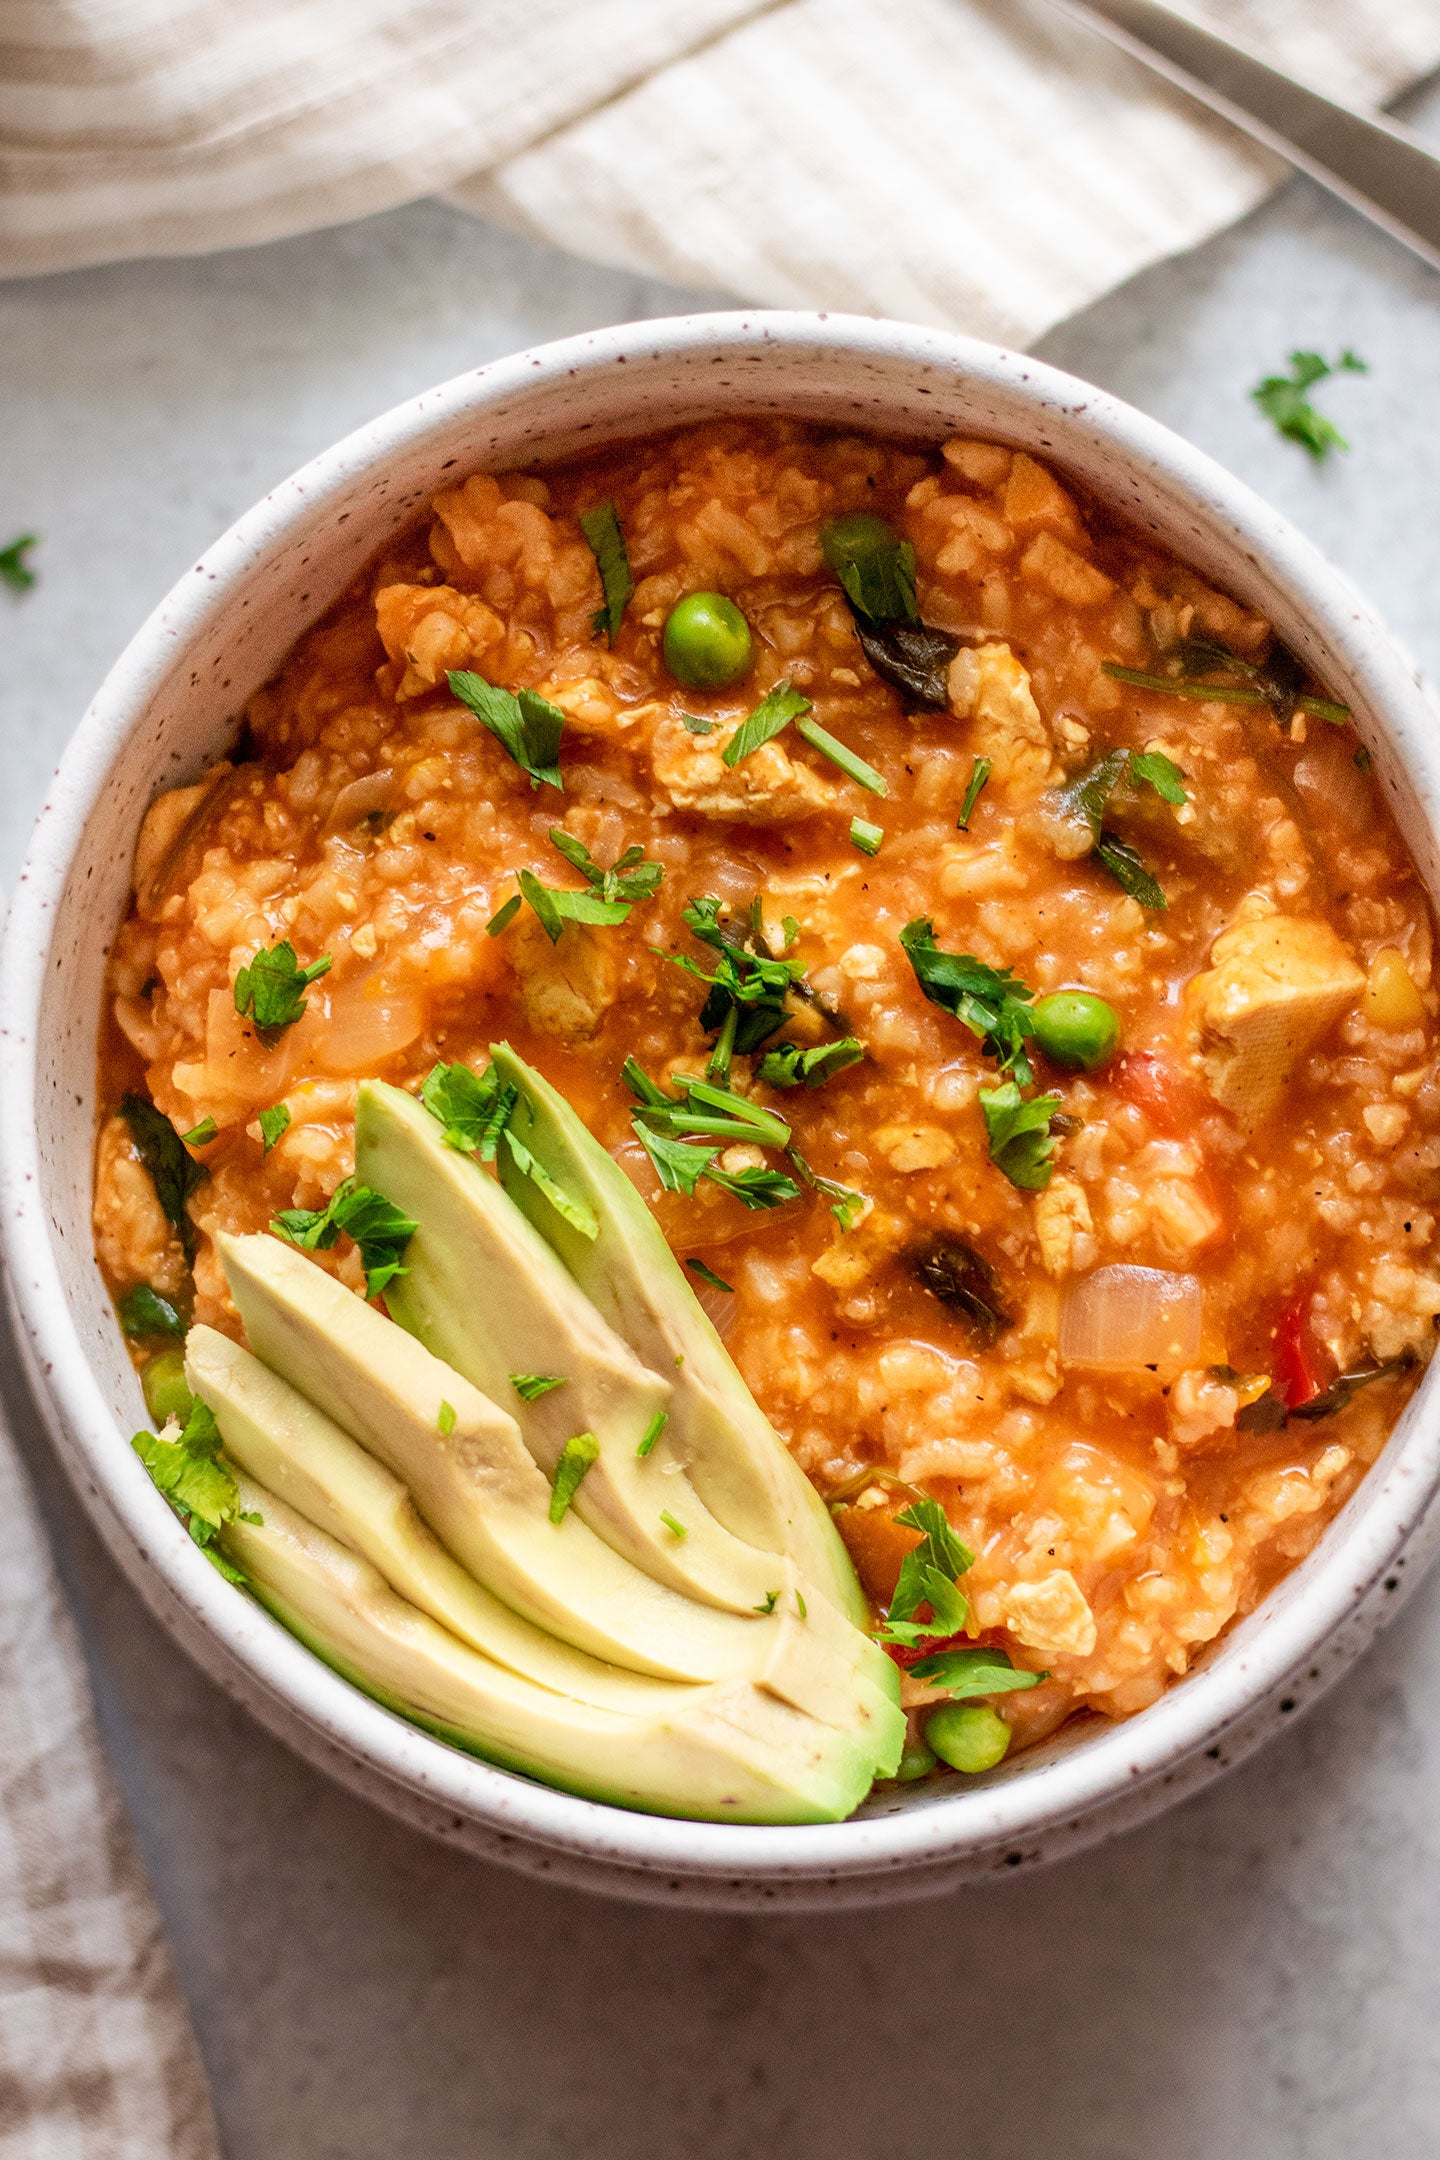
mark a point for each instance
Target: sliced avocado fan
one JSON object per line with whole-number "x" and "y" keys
{"x": 486, "y": 1294}
{"x": 724, "y": 1753}
{"x": 482, "y": 1495}
{"x": 736, "y": 1461}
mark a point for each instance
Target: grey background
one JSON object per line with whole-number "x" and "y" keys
{"x": 1254, "y": 1977}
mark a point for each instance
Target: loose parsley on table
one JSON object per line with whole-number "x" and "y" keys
{"x": 527, "y": 725}
{"x": 1283, "y": 400}
{"x": 271, "y": 989}
{"x": 601, "y": 527}
{"x": 14, "y": 570}
{"x": 380, "y": 1230}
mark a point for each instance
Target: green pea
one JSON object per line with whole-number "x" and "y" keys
{"x": 707, "y": 641}
{"x": 968, "y": 1736}
{"x": 167, "y": 1393}
{"x": 916, "y": 1761}
{"x": 1076, "y": 1028}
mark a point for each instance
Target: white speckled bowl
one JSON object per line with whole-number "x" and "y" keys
{"x": 169, "y": 706}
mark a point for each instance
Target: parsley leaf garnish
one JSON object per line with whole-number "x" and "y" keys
{"x": 708, "y": 1275}
{"x": 992, "y": 1002}
{"x": 1284, "y": 403}
{"x": 771, "y": 716}
{"x": 445, "y": 1422}
{"x": 143, "y": 1312}
{"x": 697, "y": 726}
{"x": 461, "y": 1101}
{"x": 197, "y": 1485}
{"x": 679, "y": 1164}
{"x": 875, "y": 566}
{"x": 768, "y": 1603}
{"x": 174, "y": 1172}
{"x": 14, "y": 569}
{"x": 1089, "y": 797}
{"x": 606, "y": 899}
{"x": 746, "y": 979}
{"x": 1021, "y": 1143}
{"x": 1129, "y": 872}
{"x": 790, "y": 1066}
{"x": 630, "y": 877}
{"x": 578, "y": 1213}
{"x": 601, "y": 528}
{"x": 273, "y": 1122}
{"x": 375, "y": 1224}
{"x": 1160, "y": 773}
{"x": 964, "y": 1674}
{"x": 523, "y": 722}
{"x": 846, "y": 1205}
{"x": 576, "y": 1458}
{"x": 270, "y": 991}
{"x": 202, "y": 1134}
{"x": 979, "y": 774}
{"x": 928, "y": 1576}
{"x": 757, "y": 1189}
{"x": 530, "y": 1386}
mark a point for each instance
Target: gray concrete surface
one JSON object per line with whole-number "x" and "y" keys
{"x": 1254, "y": 1977}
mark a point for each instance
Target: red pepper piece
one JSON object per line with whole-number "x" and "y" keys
{"x": 1296, "y": 1379}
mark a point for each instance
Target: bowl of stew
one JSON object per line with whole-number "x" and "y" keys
{"x": 1026, "y": 838}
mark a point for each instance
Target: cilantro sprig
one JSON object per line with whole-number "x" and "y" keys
{"x": 379, "y": 1228}
{"x": 1021, "y": 1142}
{"x": 270, "y": 990}
{"x": 198, "y": 1486}
{"x": 1285, "y": 404}
{"x": 929, "y": 1575}
{"x": 789, "y": 1065}
{"x": 605, "y": 899}
{"x": 525, "y": 724}
{"x": 747, "y": 981}
{"x": 992, "y": 1002}
{"x": 965, "y": 1674}
{"x": 601, "y": 527}
{"x": 461, "y": 1101}
{"x": 173, "y": 1171}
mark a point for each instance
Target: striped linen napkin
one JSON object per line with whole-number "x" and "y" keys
{"x": 981, "y": 164}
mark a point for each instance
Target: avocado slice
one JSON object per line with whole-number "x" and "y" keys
{"x": 737, "y": 1462}
{"x": 286, "y": 1444}
{"x": 488, "y": 1296}
{"x": 486, "y": 1500}
{"x": 725, "y": 1753}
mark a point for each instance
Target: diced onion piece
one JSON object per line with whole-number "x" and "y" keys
{"x": 1126, "y": 1318}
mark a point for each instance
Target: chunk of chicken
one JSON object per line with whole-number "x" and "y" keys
{"x": 1051, "y": 1616}
{"x": 1274, "y": 985}
{"x": 1064, "y": 1227}
{"x": 429, "y": 629}
{"x": 567, "y": 987}
{"x": 766, "y": 788}
{"x": 989, "y": 687}
{"x": 132, "y": 1237}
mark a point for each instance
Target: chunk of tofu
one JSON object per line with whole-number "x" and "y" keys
{"x": 1275, "y": 984}
{"x": 1051, "y": 1616}
{"x": 567, "y": 987}
{"x": 989, "y": 688}
{"x": 428, "y": 629}
{"x": 766, "y": 788}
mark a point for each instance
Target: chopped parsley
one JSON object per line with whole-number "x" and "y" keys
{"x": 576, "y": 1458}
{"x": 651, "y": 1434}
{"x": 530, "y": 1386}
{"x": 673, "y": 1524}
{"x": 1130, "y": 873}
{"x": 1189, "y": 666}
{"x": 875, "y": 566}
{"x": 273, "y": 1122}
{"x": 1089, "y": 797}
{"x": 771, "y": 716}
{"x": 503, "y": 916}
{"x": 461, "y": 1101}
{"x": 708, "y": 1275}
{"x": 1363, "y": 760}
{"x": 525, "y": 724}
{"x": 696, "y": 725}
{"x": 846, "y": 1205}
{"x": 992, "y": 1002}
{"x": 866, "y": 837}
{"x": 756, "y": 1189}
{"x": 629, "y": 878}
{"x": 746, "y": 977}
{"x": 1161, "y": 773}
{"x": 768, "y": 1603}
{"x": 144, "y": 1313}
{"x": 964, "y": 1674}
{"x": 1021, "y": 1142}
{"x": 840, "y": 754}
{"x": 270, "y": 991}
{"x": 606, "y": 899}
{"x": 14, "y": 569}
{"x": 680, "y": 1164}
{"x": 578, "y": 1213}
{"x": 375, "y": 1224}
{"x": 173, "y": 1171}
{"x": 979, "y": 774}
{"x": 499, "y": 1116}
{"x": 198, "y": 1486}
{"x": 788, "y": 1065}
{"x": 928, "y": 1576}
{"x": 445, "y": 1422}
{"x": 1283, "y": 400}
{"x": 601, "y": 527}
{"x": 202, "y": 1134}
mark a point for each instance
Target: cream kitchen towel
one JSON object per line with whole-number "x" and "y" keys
{"x": 976, "y": 163}
{"x": 96, "y": 2057}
